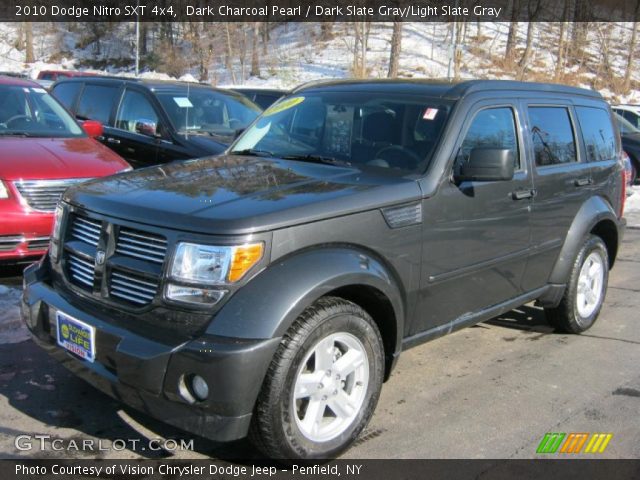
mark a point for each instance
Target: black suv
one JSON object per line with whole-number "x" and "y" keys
{"x": 263, "y": 97}
{"x": 269, "y": 291}
{"x": 150, "y": 122}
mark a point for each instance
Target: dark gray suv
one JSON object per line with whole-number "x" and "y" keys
{"x": 269, "y": 291}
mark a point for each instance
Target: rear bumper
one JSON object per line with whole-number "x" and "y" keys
{"x": 147, "y": 374}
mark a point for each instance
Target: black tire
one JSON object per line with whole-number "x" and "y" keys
{"x": 567, "y": 316}
{"x": 274, "y": 429}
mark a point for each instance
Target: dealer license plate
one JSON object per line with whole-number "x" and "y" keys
{"x": 76, "y": 336}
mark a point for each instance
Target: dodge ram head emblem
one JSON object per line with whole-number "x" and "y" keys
{"x": 100, "y": 257}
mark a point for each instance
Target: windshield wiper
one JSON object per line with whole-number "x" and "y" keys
{"x": 317, "y": 159}
{"x": 252, "y": 152}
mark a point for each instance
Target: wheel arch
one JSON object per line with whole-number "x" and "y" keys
{"x": 269, "y": 304}
{"x": 596, "y": 216}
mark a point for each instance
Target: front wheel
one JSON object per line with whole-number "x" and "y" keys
{"x": 584, "y": 296}
{"x": 322, "y": 385}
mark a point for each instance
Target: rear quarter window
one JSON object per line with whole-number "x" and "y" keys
{"x": 66, "y": 93}
{"x": 597, "y": 133}
{"x": 96, "y": 102}
{"x": 552, "y": 136}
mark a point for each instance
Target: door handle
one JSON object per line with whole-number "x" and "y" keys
{"x": 113, "y": 140}
{"x": 582, "y": 182}
{"x": 523, "y": 194}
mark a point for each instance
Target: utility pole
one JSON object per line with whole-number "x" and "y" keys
{"x": 138, "y": 41}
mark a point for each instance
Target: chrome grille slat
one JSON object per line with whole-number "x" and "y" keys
{"x": 44, "y": 195}
{"x": 132, "y": 288}
{"x": 81, "y": 270}
{"x": 86, "y": 230}
{"x": 146, "y": 246}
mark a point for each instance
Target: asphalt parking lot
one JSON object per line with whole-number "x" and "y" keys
{"x": 490, "y": 391}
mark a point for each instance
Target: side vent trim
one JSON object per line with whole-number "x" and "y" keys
{"x": 403, "y": 216}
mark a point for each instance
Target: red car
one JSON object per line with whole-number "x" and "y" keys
{"x": 43, "y": 150}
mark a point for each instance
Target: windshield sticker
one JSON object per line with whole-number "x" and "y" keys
{"x": 430, "y": 114}
{"x": 282, "y": 106}
{"x": 183, "y": 102}
{"x": 39, "y": 90}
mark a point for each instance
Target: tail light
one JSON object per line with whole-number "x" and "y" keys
{"x": 626, "y": 177}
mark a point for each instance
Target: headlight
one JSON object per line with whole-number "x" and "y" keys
{"x": 212, "y": 265}
{"x": 208, "y": 265}
{"x": 55, "y": 235}
{"x": 4, "y": 192}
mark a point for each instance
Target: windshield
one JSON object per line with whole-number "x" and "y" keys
{"x": 393, "y": 132}
{"x": 32, "y": 112}
{"x": 208, "y": 112}
{"x": 625, "y": 125}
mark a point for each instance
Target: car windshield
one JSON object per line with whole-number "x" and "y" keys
{"x": 625, "y": 126}
{"x": 394, "y": 133}
{"x": 203, "y": 111}
{"x": 32, "y": 112}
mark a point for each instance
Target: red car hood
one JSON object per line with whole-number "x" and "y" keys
{"x": 52, "y": 158}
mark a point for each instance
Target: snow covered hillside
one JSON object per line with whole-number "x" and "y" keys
{"x": 293, "y": 53}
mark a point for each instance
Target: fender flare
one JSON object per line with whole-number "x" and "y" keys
{"x": 593, "y": 211}
{"x": 270, "y": 302}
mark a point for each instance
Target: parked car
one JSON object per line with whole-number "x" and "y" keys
{"x": 42, "y": 151}
{"x": 150, "y": 122}
{"x": 46, "y": 78}
{"x": 631, "y": 113}
{"x": 630, "y": 144}
{"x": 272, "y": 289}
{"x": 263, "y": 97}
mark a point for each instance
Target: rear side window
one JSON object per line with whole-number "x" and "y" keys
{"x": 597, "y": 132}
{"x": 634, "y": 118}
{"x": 491, "y": 128}
{"x": 66, "y": 93}
{"x": 96, "y": 102}
{"x": 552, "y": 135}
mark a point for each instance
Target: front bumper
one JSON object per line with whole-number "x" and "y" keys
{"x": 146, "y": 374}
{"x": 24, "y": 235}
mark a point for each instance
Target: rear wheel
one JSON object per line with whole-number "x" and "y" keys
{"x": 584, "y": 296}
{"x": 323, "y": 384}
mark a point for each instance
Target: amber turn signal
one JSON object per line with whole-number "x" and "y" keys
{"x": 244, "y": 257}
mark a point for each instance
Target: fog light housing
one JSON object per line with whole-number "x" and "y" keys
{"x": 194, "y": 295}
{"x": 199, "y": 387}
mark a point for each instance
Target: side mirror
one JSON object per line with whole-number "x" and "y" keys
{"x": 488, "y": 164}
{"x": 146, "y": 127}
{"x": 92, "y": 128}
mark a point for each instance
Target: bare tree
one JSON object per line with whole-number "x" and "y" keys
{"x": 326, "y": 31}
{"x": 255, "y": 53}
{"x": 457, "y": 49}
{"x": 632, "y": 49}
{"x": 228, "y": 59}
{"x": 534, "y": 9}
{"x": 360, "y": 47}
{"x": 512, "y": 36}
{"x": 28, "y": 43}
{"x": 562, "y": 41}
{"x": 396, "y": 47}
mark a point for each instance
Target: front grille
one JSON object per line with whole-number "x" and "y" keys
{"x": 43, "y": 195}
{"x": 8, "y": 243}
{"x": 132, "y": 288}
{"x": 36, "y": 244}
{"x": 143, "y": 245}
{"x": 81, "y": 271}
{"x": 116, "y": 263}
{"x": 86, "y": 230}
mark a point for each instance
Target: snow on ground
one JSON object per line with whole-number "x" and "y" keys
{"x": 632, "y": 208}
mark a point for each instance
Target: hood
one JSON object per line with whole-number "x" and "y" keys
{"x": 207, "y": 144}
{"x": 53, "y": 158}
{"x": 239, "y": 195}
